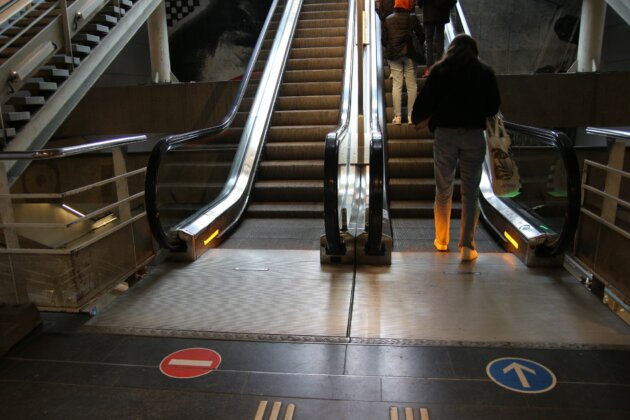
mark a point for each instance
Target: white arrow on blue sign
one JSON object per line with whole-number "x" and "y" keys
{"x": 521, "y": 375}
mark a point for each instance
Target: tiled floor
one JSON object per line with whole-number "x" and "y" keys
{"x": 61, "y": 373}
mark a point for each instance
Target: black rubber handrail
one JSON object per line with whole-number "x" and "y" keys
{"x": 167, "y": 143}
{"x": 565, "y": 147}
{"x": 334, "y": 244}
{"x": 378, "y": 158}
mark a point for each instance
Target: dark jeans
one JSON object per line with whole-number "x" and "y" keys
{"x": 434, "y": 33}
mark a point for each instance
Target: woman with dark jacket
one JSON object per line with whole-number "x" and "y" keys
{"x": 459, "y": 95}
{"x": 396, "y": 28}
{"x": 434, "y": 17}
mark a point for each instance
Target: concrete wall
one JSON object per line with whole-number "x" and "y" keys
{"x": 518, "y": 37}
{"x": 166, "y": 108}
{"x": 541, "y": 100}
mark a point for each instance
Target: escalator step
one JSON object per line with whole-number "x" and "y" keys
{"x": 321, "y": 32}
{"x": 295, "y": 150}
{"x": 314, "y": 63}
{"x": 321, "y": 23}
{"x": 310, "y": 89}
{"x": 285, "y": 210}
{"x": 300, "y": 76}
{"x": 409, "y": 148}
{"x": 320, "y": 52}
{"x": 303, "y": 132}
{"x": 308, "y": 117}
{"x": 321, "y": 42}
{"x": 307, "y": 102}
{"x": 288, "y": 190}
{"x": 323, "y": 15}
{"x": 318, "y": 6}
{"x": 291, "y": 169}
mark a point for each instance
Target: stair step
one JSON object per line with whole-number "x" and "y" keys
{"x": 16, "y": 117}
{"x": 27, "y": 100}
{"x": 107, "y": 20}
{"x": 98, "y": 28}
{"x": 114, "y": 10}
{"x": 81, "y": 49}
{"x": 86, "y": 39}
{"x": 60, "y": 60}
{"x": 8, "y": 132}
{"x": 53, "y": 72}
{"x": 38, "y": 84}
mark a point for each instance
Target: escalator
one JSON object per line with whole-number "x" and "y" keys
{"x": 265, "y": 161}
{"x": 536, "y": 225}
{"x": 289, "y": 182}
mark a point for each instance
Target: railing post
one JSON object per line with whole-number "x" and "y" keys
{"x": 591, "y": 35}
{"x": 122, "y": 185}
{"x": 65, "y": 28}
{"x": 10, "y": 236}
{"x": 616, "y": 154}
{"x": 158, "y": 45}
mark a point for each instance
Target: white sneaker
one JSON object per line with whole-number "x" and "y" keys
{"x": 409, "y": 120}
{"x": 467, "y": 254}
{"x": 397, "y": 120}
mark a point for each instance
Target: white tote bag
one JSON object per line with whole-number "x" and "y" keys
{"x": 505, "y": 179}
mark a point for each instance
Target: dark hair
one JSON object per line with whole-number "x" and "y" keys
{"x": 462, "y": 50}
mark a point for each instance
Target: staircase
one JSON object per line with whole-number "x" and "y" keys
{"x": 46, "y": 72}
{"x": 289, "y": 181}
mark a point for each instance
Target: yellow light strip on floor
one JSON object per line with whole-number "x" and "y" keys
{"x": 512, "y": 240}
{"x": 211, "y": 237}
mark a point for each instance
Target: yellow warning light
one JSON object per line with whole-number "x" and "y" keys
{"x": 211, "y": 237}
{"x": 512, "y": 240}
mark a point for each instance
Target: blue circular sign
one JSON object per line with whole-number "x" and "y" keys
{"x": 521, "y": 375}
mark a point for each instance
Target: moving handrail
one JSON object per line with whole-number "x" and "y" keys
{"x": 168, "y": 143}
{"x": 555, "y": 245}
{"x": 378, "y": 158}
{"x": 333, "y": 143}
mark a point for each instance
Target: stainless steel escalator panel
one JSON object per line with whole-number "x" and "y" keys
{"x": 237, "y": 294}
{"x": 430, "y": 298}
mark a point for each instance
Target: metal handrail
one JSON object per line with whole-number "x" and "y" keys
{"x": 167, "y": 143}
{"x": 60, "y": 152}
{"x": 334, "y": 245}
{"x": 606, "y": 132}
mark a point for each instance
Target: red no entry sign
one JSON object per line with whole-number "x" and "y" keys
{"x": 190, "y": 363}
